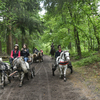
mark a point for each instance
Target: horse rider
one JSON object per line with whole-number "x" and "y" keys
{"x": 52, "y": 51}
{"x": 25, "y": 52}
{"x": 58, "y": 52}
{"x": 15, "y": 53}
{"x": 35, "y": 50}
{"x": 52, "y": 46}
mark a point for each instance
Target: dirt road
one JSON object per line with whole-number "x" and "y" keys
{"x": 47, "y": 87}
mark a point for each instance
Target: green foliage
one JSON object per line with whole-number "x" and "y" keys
{"x": 63, "y": 17}
{"x": 87, "y": 61}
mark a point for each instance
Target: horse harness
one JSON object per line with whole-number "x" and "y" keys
{"x": 6, "y": 68}
{"x": 63, "y": 62}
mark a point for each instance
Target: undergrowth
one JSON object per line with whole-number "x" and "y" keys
{"x": 86, "y": 61}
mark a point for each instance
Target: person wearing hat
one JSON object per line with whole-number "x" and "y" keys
{"x": 15, "y": 53}
{"x": 35, "y": 50}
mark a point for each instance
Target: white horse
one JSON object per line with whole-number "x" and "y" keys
{"x": 0, "y": 59}
{"x": 4, "y": 72}
{"x": 22, "y": 67}
{"x": 62, "y": 62}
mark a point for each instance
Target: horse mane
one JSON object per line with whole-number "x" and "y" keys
{"x": 34, "y": 55}
{"x": 39, "y": 54}
{"x": 62, "y": 53}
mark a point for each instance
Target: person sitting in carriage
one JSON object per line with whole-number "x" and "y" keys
{"x": 41, "y": 51}
{"x": 35, "y": 50}
{"x": 25, "y": 52}
{"x": 58, "y": 52}
{"x": 15, "y": 53}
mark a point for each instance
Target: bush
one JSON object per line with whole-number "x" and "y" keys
{"x": 87, "y": 61}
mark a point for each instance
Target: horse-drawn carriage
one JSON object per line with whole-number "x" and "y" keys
{"x": 63, "y": 63}
{"x": 37, "y": 57}
{"x": 23, "y": 68}
{"x": 20, "y": 67}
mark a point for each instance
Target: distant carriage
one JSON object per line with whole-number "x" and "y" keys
{"x": 38, "y": 57}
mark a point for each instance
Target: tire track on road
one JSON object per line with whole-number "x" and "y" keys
{"x": 48, "y": 85}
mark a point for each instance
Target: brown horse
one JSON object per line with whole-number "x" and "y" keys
{"x": 52, "y": 52}
{"x": 38, "y": 57}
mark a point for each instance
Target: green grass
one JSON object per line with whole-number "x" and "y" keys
{"x": 86, "y": 61}
{"x": 84, "y": 54}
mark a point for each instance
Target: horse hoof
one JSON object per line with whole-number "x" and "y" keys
{"x": 2, "y": 87}
{"x": 20, "y": 85}
{"x": 53, "y": 74}
{"x": 60, "y": 77}
{"x": 64, "y": 79}
{"x": 27, "y": 78}
{"x": 9, "y": 81}
{"x": 71, "y": 71}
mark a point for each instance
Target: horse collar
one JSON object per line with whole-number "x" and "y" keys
{"x": 63, "y": 63}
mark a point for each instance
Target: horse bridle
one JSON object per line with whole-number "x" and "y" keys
{"x": 65, "y": 54}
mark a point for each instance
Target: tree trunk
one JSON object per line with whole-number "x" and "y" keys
{"x": 0, "y": 47}
{"x": 16, "y": 40}
{"x": 9, "y": 41}
{"x": 90, "y": 44}
{"x": 77, "y": 41}
{"x": 69, "y": 46}
{"x": 22, "y": 40}
{"x": 98, "y": 39}
{"x": 23, "y": 34}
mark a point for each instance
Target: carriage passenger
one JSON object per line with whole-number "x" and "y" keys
{"x": 41, "y": 51}
{"x": 15, "y": 53}
{"x": 25, "y": 52}
{"x": 35, "y": 50}
{"x": 58, "y": 51}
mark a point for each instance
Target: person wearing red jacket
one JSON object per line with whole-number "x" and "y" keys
{"x": 15, "y": 53}
{"x": 41, "y": 51}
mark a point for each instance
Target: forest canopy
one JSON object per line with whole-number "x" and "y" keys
{"x": 74, "y": 24}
